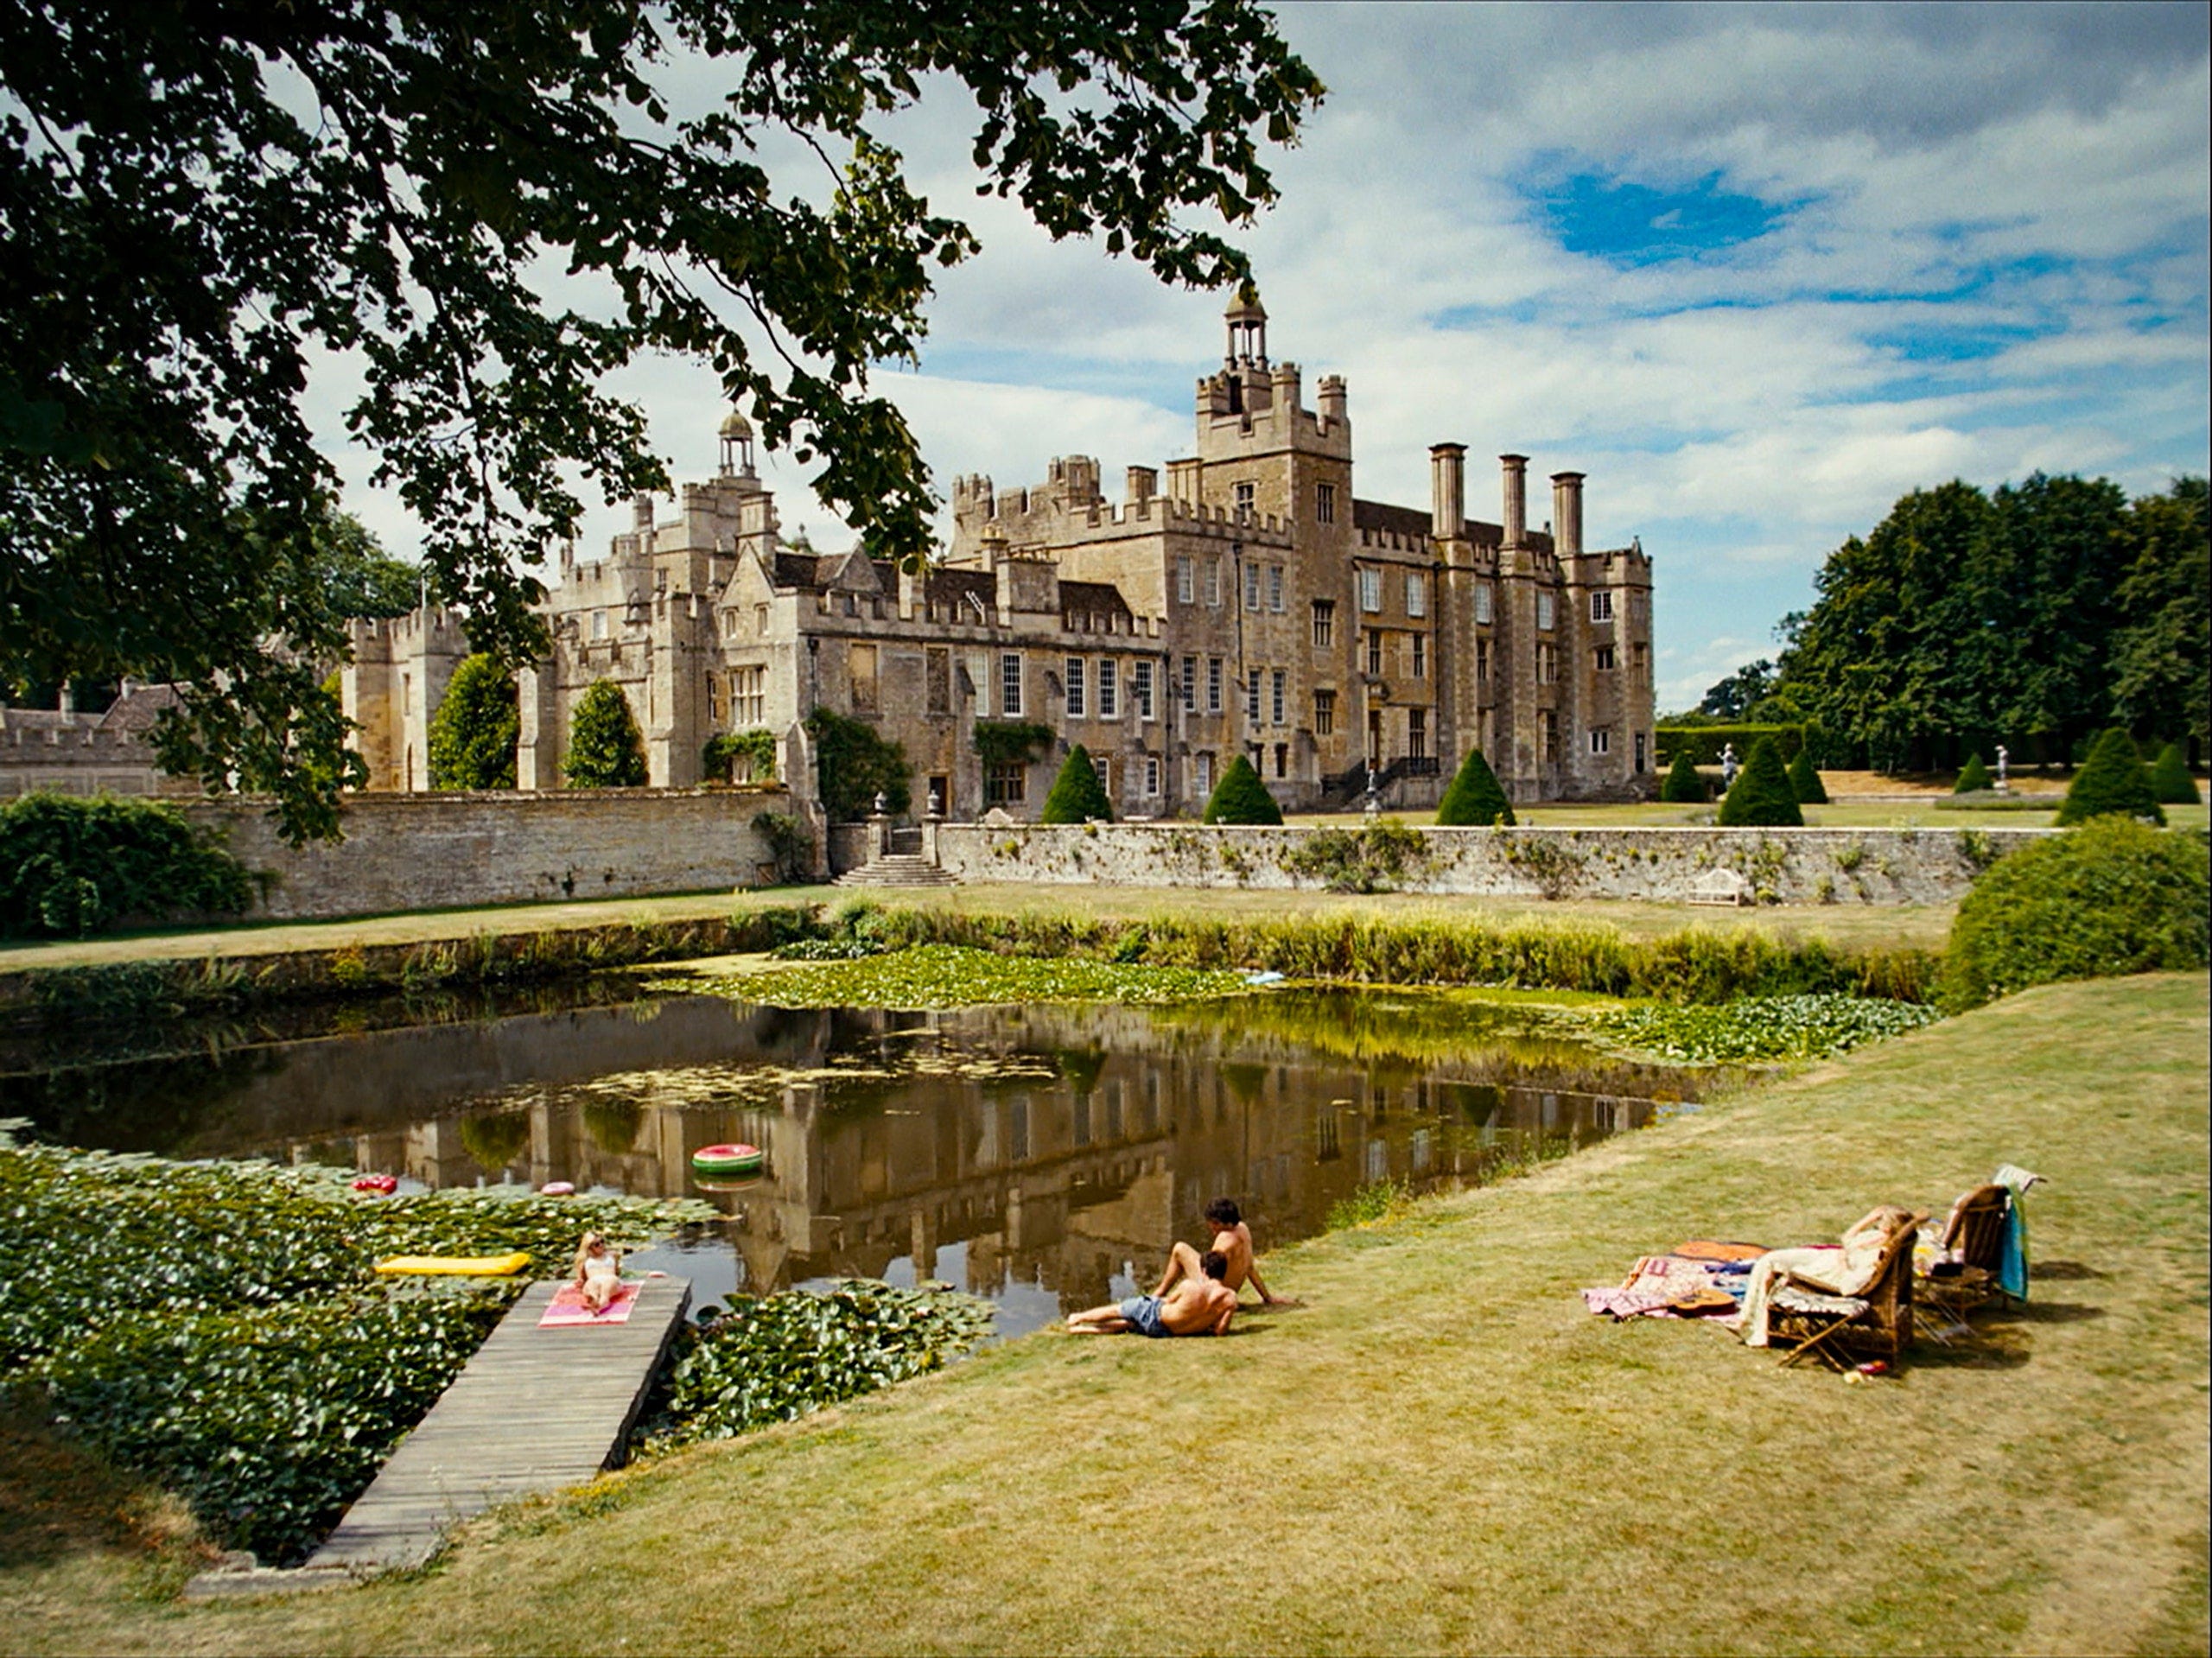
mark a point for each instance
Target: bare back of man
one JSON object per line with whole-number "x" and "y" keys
{"x": 1201, "y": 1305}
{"x": 1232, "y": 1239}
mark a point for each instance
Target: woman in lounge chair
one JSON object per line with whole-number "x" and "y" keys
{"x": 1848, "y": 1268}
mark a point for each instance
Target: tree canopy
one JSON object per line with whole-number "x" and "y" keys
{"x": 2034, "y": 616}
{"x": 204, "y": 206}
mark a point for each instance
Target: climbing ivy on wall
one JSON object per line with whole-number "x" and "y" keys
{"x": 1011, "y": 742}
{"x": 853, "y": 766}
{"x": 756, "y": 747}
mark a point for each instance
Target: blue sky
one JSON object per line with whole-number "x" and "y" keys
{"x": 1757, "y": 270}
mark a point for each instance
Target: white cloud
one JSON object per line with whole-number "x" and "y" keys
{"x": 1989, "y": 256}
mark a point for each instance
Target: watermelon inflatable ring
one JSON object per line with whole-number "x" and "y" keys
{"x": 727, "y": 1159}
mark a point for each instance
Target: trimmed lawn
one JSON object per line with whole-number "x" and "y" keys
{"x": 1441, "y": 1451}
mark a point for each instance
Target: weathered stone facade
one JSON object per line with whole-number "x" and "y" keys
{"x": 452, "y": 850}
{"x": 1252, "y": 605}
{"x": 80, "y": 752}
{"x": 1669, "y": 866}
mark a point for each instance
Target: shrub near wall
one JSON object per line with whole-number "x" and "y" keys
{"x": 2112, "y": 897}
{"x": 70, "y": 867}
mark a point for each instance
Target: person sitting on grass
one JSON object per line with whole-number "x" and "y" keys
{"x": 1200, "y": 1306}
{"x": 598, "y": 1272}
{"x": 1233, "y": 1239}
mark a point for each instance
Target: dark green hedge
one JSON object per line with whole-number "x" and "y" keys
{"x": 1685, "y": 785}
{"x": 2170, "y": 781}
{"x": 1703, "y": 744}
{"x": 1475, "y": 797}
{"x": 2113, "y": 782}
{"x": 2113, "y": 896}
{"x": 1761, "y": 796}
{"x": 71, "y": 867}
{"x": 1078, "y": 796}
{"x": 1241, "y": 798}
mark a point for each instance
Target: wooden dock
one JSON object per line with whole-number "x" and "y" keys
{"x": 534, "y": 1411}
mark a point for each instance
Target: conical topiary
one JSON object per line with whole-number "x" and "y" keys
{"x": 1078, "y": 796}
{"x": 2170, "y": 781}
{"x": 1760, "y": 796}
{"x": 1241, "y": 798}
{"x": 605, "y": 751}
{"x": 473, "y": 733}
{"x": 1474, "y": 797}
{"x": 1805, "y": 780}
{"x": 2113, "y": 780}
{"x": 1685, "y": 784}
{"x": 1973, "y": 778}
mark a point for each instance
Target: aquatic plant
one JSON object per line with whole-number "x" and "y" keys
{"x": 950, "y": 975}
{"x": 780, "y": 1356}
{"x": 219, "y": 1327}
{"x": 1695, "y": 964}
{"x": 1761, "y": 1027}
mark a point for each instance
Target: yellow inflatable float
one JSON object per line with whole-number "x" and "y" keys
{"x": 457, "y": 1266}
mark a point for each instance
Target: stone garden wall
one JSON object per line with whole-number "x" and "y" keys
{"x": 1808, "y": 866}
{"x": 454, "y": 850}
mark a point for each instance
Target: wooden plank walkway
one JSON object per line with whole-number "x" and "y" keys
{"x": 534, "y": 1411}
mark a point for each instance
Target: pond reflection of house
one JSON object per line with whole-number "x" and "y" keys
{"x": 1046, "y": 1146}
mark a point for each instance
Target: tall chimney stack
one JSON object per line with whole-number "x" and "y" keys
{"x": 1513, "y": 477}
{"x": 1447, "y": 490}
{"x": 1567, "y": 513}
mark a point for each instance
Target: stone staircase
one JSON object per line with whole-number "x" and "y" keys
{"x": 898, "y": 869}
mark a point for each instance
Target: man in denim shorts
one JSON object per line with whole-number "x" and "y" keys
{"x": 1197, "y": 1306}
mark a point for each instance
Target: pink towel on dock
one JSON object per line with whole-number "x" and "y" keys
{"x": 568, "y": 1308}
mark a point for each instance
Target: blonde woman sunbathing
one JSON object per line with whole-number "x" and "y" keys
{"x": 598, "y": 1272}
{"x": 1849, "y": 1268}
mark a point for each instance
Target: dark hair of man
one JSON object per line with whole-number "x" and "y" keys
{"x": 1223, "y": 1211}
{"x": 1215, "y": 1263}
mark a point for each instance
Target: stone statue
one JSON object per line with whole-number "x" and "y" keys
{"x": 1729, "y": 765}
{"x": 2002, "y": 759}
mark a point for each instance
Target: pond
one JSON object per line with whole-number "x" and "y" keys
{"x": 1043, "y": 1157}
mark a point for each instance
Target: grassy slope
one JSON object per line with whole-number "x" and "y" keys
{"x": 1441, "y": 1451}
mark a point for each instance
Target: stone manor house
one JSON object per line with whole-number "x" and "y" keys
{"x": 1244, "y": 600}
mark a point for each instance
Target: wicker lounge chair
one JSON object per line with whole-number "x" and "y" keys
{"x": 1964, "y": 1275}
{"x": 1878, "y": 1322}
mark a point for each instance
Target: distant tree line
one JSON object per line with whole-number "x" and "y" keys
{"x": 2035, "y": 616}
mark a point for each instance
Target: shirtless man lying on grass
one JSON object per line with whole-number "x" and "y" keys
{"x": 1199, "y": 1306}
{"x": 1232, "y": 1239}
